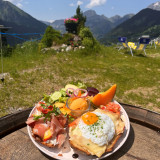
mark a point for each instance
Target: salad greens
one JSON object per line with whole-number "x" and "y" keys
{"x": 48, "y": 114}
{"x": 61, "y": 96}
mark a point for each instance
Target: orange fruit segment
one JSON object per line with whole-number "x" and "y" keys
{"x": 59, "y": 105}
{"x": 105, "y": 97}
{"x": 79, "y": 104}
{"x": 65, "y": 110}
{"x": 47, "y": 135}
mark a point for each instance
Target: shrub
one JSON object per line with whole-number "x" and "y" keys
{"x": 85, "y": 32}
{"x": 67, "y": 38}
{"x": 87, "y": 38}
{"x": 87, "y": 42}
{"x": 49, "y": 36}
{"x": 7, "y": 51}
{"x": 26, "y": 48}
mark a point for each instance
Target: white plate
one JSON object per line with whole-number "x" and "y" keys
{"x": 67, "y": 154}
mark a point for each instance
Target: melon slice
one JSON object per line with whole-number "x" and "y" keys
{"x": 105, "y": 97}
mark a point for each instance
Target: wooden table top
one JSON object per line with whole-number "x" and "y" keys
{"x": 143, "y": 143}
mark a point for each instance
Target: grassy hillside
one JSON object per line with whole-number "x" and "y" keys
{"x": 31, "y": 74}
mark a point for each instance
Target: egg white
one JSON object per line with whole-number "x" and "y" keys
{"x": 101, "y": 132}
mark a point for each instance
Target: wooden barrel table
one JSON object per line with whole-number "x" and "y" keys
{"x": 143, "y": 142}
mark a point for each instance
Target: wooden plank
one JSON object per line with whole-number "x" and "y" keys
{"x": 153, "y": 119}
{"x": 143, "y": 116}
{"x": 135, "y": 113}
{"x": 13, "y": 122}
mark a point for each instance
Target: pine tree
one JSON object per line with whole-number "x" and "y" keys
{"x": 81, "y": 19}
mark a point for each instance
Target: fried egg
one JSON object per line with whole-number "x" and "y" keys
{"x": 97, "y": 127}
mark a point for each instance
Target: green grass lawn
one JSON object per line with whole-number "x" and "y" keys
{"x": 32, "y": 74}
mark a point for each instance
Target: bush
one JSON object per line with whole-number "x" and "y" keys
{"x": 25, "y": 48}
{"x": 86, "y": 33}
{"x": 67, "y": 38}
{"x": 49, "y": 36}
{"x": 6, "y": 51}
{"x": 87, "y": 42}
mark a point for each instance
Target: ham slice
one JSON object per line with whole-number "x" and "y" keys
{"x": 30, "y": 120}
{"x": 61, "y": 139}
{"x": 40, "y": 128}
{"x": 62, "y": 119}
{"x": 56, "y": 126}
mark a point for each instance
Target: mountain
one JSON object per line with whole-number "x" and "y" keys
{"x": 59, "y": 25}
{"x": 45, "y": 22}
{"x": 99, "y": 24}
{"x": 155, "y": 6}
{"x": 143, "y": 22}
{"x": 118, "y": 19}
{"x": 20, "y": 21}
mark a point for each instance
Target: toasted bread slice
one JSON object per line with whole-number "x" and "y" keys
{"x": 46, "y": 143}
{"x": 87, "y": 146}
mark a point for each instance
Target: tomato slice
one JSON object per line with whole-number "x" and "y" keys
{"x": 75, "y": 122}
{"x": 44, "y": 111}
{"x": 113, "y": 107}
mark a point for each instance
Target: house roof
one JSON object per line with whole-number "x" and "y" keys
{"x": 2, "y": 27}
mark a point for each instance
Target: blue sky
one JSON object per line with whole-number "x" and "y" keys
{"x": 61, "y": 9}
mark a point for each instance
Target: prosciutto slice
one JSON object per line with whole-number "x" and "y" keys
{"x": 62, "y": 119}
{"x": 30, "y": 120}
{"x": 56, "y": 126}
{"x": 40, "y": 128}
{"x": 61, "y": 139}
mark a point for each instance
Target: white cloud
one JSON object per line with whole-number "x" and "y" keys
{"x": 19, "y": 5}
{"x": 71, "y": 4}
{"x": 94, "y": 3}
{"x": 16, "y": 2}
{"x": 79, "y": 2}
{"x": 51, "y": 21}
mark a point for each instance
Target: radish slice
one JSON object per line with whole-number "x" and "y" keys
{"x": 85, "y": 94}
{"x": 76, "y": 91}
{"x": 69, "y": 90}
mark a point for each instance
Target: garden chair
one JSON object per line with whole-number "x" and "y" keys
{"x": 157, "y": 42}
{"x": 125, "y": 45}
{"x": 143, "y": 42}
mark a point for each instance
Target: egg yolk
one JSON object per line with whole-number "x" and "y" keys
{"x": 89, "y": 118}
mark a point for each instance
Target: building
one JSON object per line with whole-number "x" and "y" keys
{"x": 3, "y": 39}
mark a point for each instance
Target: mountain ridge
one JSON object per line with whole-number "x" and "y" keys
{"x": 155, "y": 6}
{"x": 136, "y": 26}
{"x": 19, "y": 21}
{"x": 93, "y": 22}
